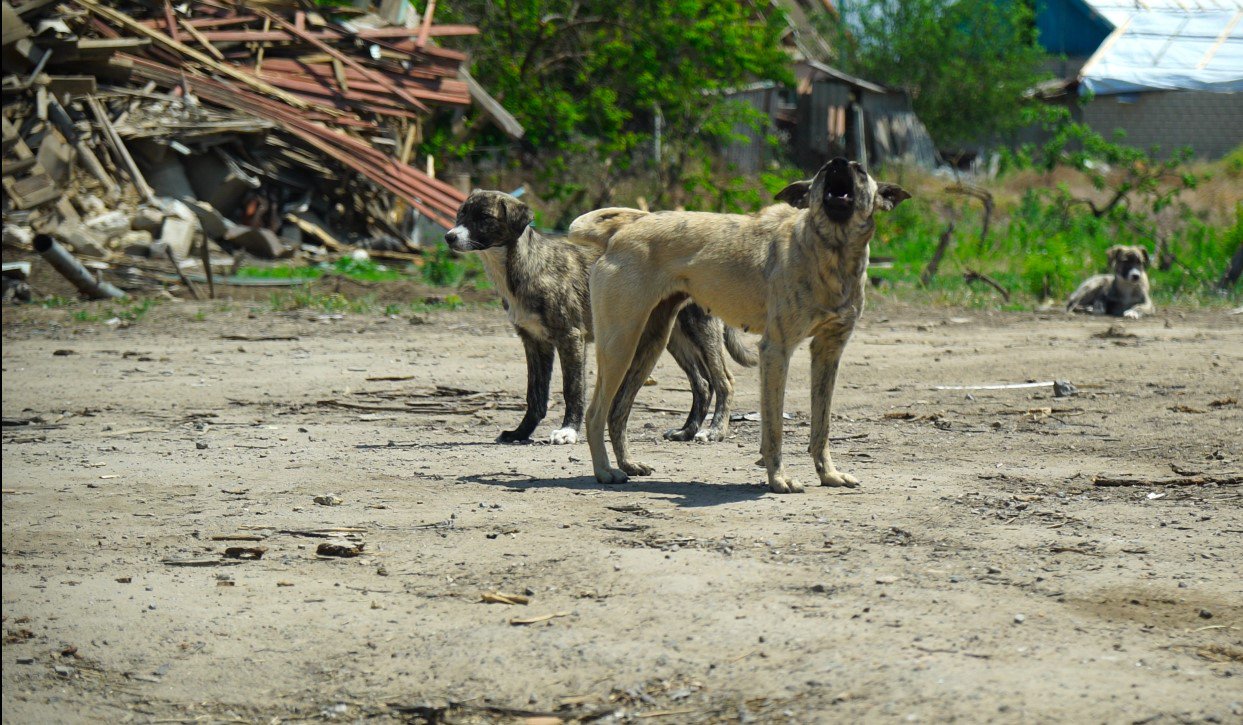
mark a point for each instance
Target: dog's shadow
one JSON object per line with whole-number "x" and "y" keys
{"x": 686, "y": 494}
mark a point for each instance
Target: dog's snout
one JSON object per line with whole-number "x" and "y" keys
{"x": 451, "y": 236}
{"x": 1134, "y": 274}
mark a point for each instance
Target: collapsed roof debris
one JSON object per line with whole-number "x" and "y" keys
{"x": 263, "y": 127}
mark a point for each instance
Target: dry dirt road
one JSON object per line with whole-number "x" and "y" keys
{"x": 980, "y": 574}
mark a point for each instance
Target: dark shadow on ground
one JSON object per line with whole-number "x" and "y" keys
{"x": 687, "y": 494}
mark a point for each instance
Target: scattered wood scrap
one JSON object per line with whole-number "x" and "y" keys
{"x": 1229, "y": 479}
{"x": 503, "y": 598}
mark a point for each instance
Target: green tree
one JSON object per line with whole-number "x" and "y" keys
{"x": 967, "y": 63}
{"x": 591, "y": 80}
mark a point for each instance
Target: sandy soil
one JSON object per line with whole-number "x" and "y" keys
{"x": 978, "y": 574}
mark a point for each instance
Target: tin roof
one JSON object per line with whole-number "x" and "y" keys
{"x": 1167, "y": 45}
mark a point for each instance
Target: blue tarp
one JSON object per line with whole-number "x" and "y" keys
{"x": 1164, "y": 47}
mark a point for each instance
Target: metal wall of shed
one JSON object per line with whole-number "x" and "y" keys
{"x": 1070, "y": 27}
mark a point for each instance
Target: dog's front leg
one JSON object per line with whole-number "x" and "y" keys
{"x": 826, "y": 355}
{"x": 774, "y": 365}
{"x": 573, "y": 351}
{"x": 539, "y": 374}
{"x": 1143, "y": 308}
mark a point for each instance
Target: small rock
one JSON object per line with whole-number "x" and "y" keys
{"x": 1019, "y": 618}
{"x": 25, "y": 660}
{"x": 329, "y": 499}
{"x": 147, "y": 219}
{"x": 201, "y": 445}
{"x": 109, "y": 224}
{"x": 887, "y": 579}
{"x": 1205, "y": 614}
{"x": 62, "y": 670}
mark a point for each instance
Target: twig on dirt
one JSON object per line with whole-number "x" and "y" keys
{"x": 1002, "y": 386}
{"x": 410, "y": 407}
{"x": 322, "y": 533}
{"x": 201, "y": 562}
{"x": 1072, "y": 550}
{"x": 259, "y": 338}
{"x": 665, "y": 713}
{"x": 517, "y": 621}
{"x": 1230, "y": 479}
{"x": 130, "y": 431}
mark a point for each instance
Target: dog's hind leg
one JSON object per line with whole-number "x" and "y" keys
{"x": 826, "y": 355}
{"x": 651, "y": 343}
{"x": 572, "y": 348}
{"x": 721, "y": 380}
{"x": 618, "y": 319}
{"x": 774, "y": 366}
{"x": 539, "y": 374}
{"x": 687, "y": 354}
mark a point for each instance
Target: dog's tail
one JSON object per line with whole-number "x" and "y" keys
{"x": 742, "y": 354}
{"x": 596, "y": 228}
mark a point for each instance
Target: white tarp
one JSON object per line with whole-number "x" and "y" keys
{"x": 1168, "y": 46}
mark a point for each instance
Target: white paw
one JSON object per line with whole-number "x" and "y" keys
{"x": 1131, "y": 315}
{"x": 709, "y": 435}
{"x": 563, "y": 436}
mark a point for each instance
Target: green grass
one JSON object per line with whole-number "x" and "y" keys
{"x": 440, "y": 267}
{"x": 337, "y": 303}
{"x": 1040, "y": 251}
{"x": 364, "y": 270}
{"x": 101, "y": 312}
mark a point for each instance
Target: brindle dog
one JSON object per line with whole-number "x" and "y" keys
{"x": 543, "y": 283}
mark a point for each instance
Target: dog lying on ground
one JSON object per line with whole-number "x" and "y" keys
{"x": 543, "y": 283}
{"x": 1123, "y": 293}
{"x": 792, "y": 271}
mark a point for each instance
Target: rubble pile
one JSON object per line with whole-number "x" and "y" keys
{"x": 147, "y": 135}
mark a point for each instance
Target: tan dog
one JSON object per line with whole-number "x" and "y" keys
{"x": 1123, "y": 293}
{"x": 789, "y": 272}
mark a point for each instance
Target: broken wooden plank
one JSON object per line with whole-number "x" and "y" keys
{"x": 121, "y": 18}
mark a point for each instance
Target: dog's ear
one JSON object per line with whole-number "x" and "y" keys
{"x": 1112, "y": 253}
{"x": 1143, "y": 252}
{"x": 795, "y": 194}
{"x": 889, "y": 195}
{"x": 517, "y": 216}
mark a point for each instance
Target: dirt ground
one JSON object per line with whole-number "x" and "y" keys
{"x": 979, "y": 574}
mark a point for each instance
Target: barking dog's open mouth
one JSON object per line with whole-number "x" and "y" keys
{"x": 839, "y": 190}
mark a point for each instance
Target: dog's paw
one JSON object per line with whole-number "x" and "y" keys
{"x": 781, "y": 484}
{"x": 611, "y": 476}
{"x": 1132, "y": 315}
{"x": 837, "y": 479}
{"x": 710, "y": 435}
{"x": 512, "y": 436}
{"x": 635, "y": 469}
{"x": 679, "y": 434}
{"x": 563, "y": 436}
